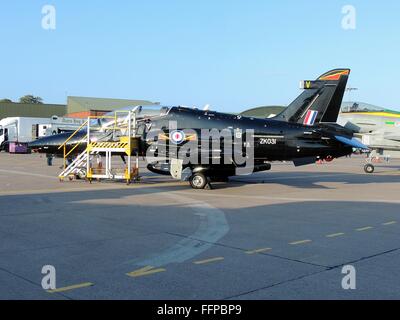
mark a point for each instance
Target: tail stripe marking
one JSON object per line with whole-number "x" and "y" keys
{"x": 310, "y": 117}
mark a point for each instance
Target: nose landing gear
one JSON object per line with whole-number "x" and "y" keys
{"x": 369, "y": 168}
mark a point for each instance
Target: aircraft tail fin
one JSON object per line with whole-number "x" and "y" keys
{"x": 320, "y": 101}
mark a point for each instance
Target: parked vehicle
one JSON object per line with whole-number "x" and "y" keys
{"x": 17, "y": 132}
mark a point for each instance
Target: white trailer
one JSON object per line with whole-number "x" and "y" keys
{"x": 59, "y": 125}
{"x": 17, "y": 132}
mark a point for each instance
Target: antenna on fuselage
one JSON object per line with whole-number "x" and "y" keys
{"x": 349, "y": 90}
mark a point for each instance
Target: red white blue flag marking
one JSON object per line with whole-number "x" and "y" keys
{"x": 310, "y": 118}
{"x": 177, "y": 136}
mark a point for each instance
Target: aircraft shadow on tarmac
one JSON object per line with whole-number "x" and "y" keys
{"x": 308, "y": 180}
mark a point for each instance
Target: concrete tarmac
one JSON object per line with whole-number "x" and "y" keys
{"x": 283, "y": 234}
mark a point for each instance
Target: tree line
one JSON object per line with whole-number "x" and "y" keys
{"x": 31, "y": 99}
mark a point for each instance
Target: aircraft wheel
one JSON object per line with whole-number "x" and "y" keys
{"x": 81, "y": 174}
{"x": 369, "y": 168}
{"x": 198, "y": 181}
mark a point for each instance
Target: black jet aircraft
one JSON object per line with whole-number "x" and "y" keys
{"x": 306, "y": 131}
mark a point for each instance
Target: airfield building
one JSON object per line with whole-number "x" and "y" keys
{"x": 76, "y": 107}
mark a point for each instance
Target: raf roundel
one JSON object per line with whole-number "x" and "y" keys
{"x": 177, "y": 136}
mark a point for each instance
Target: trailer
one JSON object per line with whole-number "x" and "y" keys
{"x": 59, "y": 125}
{"x": 17, "y": 132}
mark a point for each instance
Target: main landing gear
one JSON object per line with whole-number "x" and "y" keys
{"x": 199, "y": 181}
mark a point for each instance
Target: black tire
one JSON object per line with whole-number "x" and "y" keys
{"x": 369, "y": 168}
{"x": 81, "y": 174}
{"x": 198, "y": 181}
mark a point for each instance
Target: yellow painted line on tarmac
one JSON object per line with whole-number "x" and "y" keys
{"x": 364, "y": 229}
{"x": 145, "y": 272}
{"x": 389, "y": 223}
{"x": 258, "y": 250}
{"x": 73, "y": 287}
{"x": 334, "y": 235}
{"x": 300, "y": 242}
{"x": 209, "y": 260}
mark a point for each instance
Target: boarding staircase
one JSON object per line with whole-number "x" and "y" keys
{"x": 125, "y": 144}
{"x": 76, "y": 167}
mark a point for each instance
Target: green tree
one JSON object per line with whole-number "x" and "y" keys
{"x": 31, "y": 99}
{"x": 5, "y": 100}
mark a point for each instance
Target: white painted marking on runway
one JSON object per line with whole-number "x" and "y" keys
{"x": 364, "y": 229}
{"x": 23, "y": 173}
{"x": 213, "y": 227}
{"x": 295, "y": 243}
{"x": 334, "y": 235}
{"x": 258, "y": 250}
{"x": 389, "y": 223}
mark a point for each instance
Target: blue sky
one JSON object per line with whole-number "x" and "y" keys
{"x": 228, "y": 53}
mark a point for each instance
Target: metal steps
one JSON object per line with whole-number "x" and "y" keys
{"x": 78, "y": 164}
{"x": 127, "y": 145}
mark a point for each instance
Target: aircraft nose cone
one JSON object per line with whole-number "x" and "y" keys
{"x": 54, "y": 141}
{"x": 33, "y": 144}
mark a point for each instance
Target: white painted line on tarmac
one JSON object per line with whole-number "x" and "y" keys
{"x": 23, "y": 173}
{"x": 364, "y": 229}
{"x": 295, "y": 243}
{"x": 389, "y": 223}
{"x": 258, "y": 250}
{"x": 212, "y": 227}
{"x": 334, "y": 235}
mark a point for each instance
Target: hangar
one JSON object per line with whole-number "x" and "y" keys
{"x": 12, "y": 109}
{"x": 82, "y": 107}
{"x": 76, "y": 107}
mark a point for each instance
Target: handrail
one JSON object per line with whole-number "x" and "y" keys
{"x": 86, "y": 123}
{"x": 71, "y": 136}
{"x": 94, "y": 117}
{"x": 78, "y": 144}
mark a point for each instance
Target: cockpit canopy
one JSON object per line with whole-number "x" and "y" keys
{"x": 362, "y": 107}
{"x": 141, "y": 112}
{"x": 120, "y": 116}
